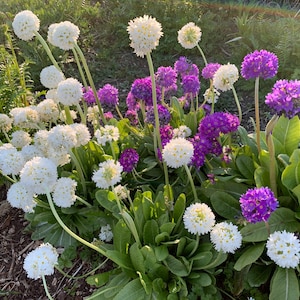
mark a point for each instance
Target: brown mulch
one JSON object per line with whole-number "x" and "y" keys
{"x": 14, "y": 246}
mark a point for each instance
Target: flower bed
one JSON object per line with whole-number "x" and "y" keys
{"x": 179, "y": 197}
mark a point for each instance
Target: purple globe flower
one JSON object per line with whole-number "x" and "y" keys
{"x": 285, "y": 98}
{"x": 257, "y": 204}
{"x": 209, "y": 70}
{"x": 184, "y": 67}
{"x": 261, "y": 63}
{"x": 108, "y": 95}
{"x": 202, "y": 146}
{"x": 166, "y": 77}
{"x": 190, "y": 84}
{"x": 142, "y": 89}
{"x": 129, "y": 159}
{"x": 166, "y": 134}
{"x": 163, "y": 114}
{"x": 132, "y": 102}
{"x": 88, "y": 96}
{"x": 215, "y": 124}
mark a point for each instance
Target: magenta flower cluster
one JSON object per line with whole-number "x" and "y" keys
{"x": 209, "y": 70}
{"x": 184, "y": 67}
{"x": 285, "y": 98}
{"x": 166, "y": 77}
{"x": 129, "y": 159}
{"x": 257, "y": 204}
{"x": 263, "y": 64}
{"x": 88, "y": 96}
{"x": 108, "y": 95}
{"x": 163, "y": 115}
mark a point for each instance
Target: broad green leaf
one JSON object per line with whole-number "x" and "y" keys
{"x": 137, "y": 258}
{"x": 167, "y": 227}
{"x": 262, "y": 177}
{"x": 179, "y": 207}
{"x": 161, "y": 252}
{"x": 121, "y": 259}
{"x": 122, "y": 236}
{"x": 259, "y": 274}
{"x": 225, "y": 205}
{"x": 151, "y": 230}
{"x": 216, "y": 260}
{"x": 201, "y": 260}
{"x": 291, "y": 174}
{"x": 284, "y": 285}
{"x": 232, "y": 188}
{"x": 249, "y": 256}
{"x": 246, "y": 166}
{"x": 176, "y": 266}
{"x": 281, "y": 219}
{"x": 287, "y": 133}
{"x": 107, "y": 200}
{"x": 98, "y": 279}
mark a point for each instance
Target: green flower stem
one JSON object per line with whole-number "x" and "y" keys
{"x": 83, "y": 201}
{"x": 69, "y": 119}
{"x": 82, "y": 114}
{"x": 47, "y": 49}
{"x": 90, "y": 80}
{"x": 196, "y": 246}
{"x": 69, "y": 231}
{"x": 270, "y": 144}
{"x": 188, "y": 172}
{"x": 157, "y": 135}
{"x": 257, "y": 119}
{"x": 118, "y": 112}
{"x": 6, "y": 136}
{"x": 112, "y": 150}
{"x": 80, "y": 68}
{"x": 211, "y": 87}
{"x": 268, "y": 228}
{"x": 237, "y": 103}
{"x": 202, "y": 54}
{"x": 46, "y": 288}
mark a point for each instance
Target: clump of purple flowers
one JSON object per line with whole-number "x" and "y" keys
{"x": 108, "y": 95}
{"x": 202, "y": 146}
{"x": 184, "y": 67}
{"x": 166, "y": 77}
{"x": 209, "y": 70}
{"x": 285, "y": 97}
{"x": 263, "y": 64}
{"x": 163, "y": 114}
{"x": 257, "y": 204}
{"x": 129, "y": 159}
{"x": 191, "y": 84}
{"x": 215, "y": 124}
{"x": 88, "y": 96}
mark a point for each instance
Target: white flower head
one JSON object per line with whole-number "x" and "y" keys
{"x": 20, "y": 197}
{"x": 41, "y": 140}
{"x": 198, "y": 218}
{"x": 11, "y": 160}
{"x": 189, "y": 35}
{"x": 178, "y": 152}
{"x": 144, "y": 33}
{"x": 5, "y": 123}
{"x": 39, "y": 175}
{"x": 20, "y": 138}
{"x": 108, "y": 174}
{"x": 226, "y": 237}
{"x": 93, "y": 114}
{"x": 63, "y": 35}
{"x": 50, "y": 77}
{"x": 25, "y": 25}
{"x": 48, "y": 110}
{"x": 62, "y": 137}
{"x": 60, "y": 157}
{"x": 108, "y": 133}
{"x": 284, "y": 249}
{"x": 83, "y": 135}
{"x": 106, "y": 234}
{"x": 41, "y": 261}
{"x": 64, "y": 192}
{"x": 52, "y": 94}
{"x": 225, "y": 77}
{"x": 211, "y": 95}
{"x": 69, "y": 91}
{"x": 25, "y": 117}
{"x": 30, "y": 151}
{"x": 182, "y": 131}
{"x": 121, "y": 192}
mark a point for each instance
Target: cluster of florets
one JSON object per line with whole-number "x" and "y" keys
{"x": 163, "y": 115}
{"x": 209, "y": 70}
{"x": 129, "y": 159}
{"x": 285, "y": 98}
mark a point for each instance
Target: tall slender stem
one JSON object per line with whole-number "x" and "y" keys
{"x": 237, "y": 103}
{"x": 257, "y": 118}
{"x": 46, "y": 288}
{"x": 202, "y": 54}
{"x": 188, "y": 172}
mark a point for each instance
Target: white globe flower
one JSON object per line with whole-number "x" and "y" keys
{"x": 144, "y": 33}
{"x": 20, "y": 138}
{"x": 105, "y": 134}
{"x": 69, "y": 91}
{"x": 48, "y": 110}
{"x": 11, "y": 160}
{"x": 25, "y": 25}
{"x": 50, "y": 77}
{"x": 225, "y": 77}
{"x": 62, "y": 137}
{"x": 178, "y": 152}
{"x": 64, "y": 192}
{"x": 5, "y": 123}
{"x": 189, "y": 35}
{"x": 63, "y": 35}
{"x": 83, "y": 135}
{"x": 182, "y": 131}
{"x": 41, "y": 261}
{"x": 198, "y": 218}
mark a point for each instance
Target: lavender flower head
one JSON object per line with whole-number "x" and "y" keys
{"x": 285, "y": 97}
{"x": 108, "y": 95}
{"x": 166, "y": 134}
{"x": 163, "y": 114}
{"x": 202, "y": 146}
{"x": 132, "y": 102}
{"x": 215, "y": 124}
{"x": 209, "y": 70}
{"x": 129, "y": 159}
{"x": 166, "y": 77}
{"x": 261, "y": 63}
{"x": 142, "y": 90}
{"x": 88, "y": 95}
{"x": 185, "y": 67}
{"x": 190, "y": 84}
{"x": 257, "y": 204}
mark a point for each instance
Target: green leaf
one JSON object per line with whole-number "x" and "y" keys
{"x": 137, "y": 258}
{"x": 132, "y": 290}
{"x": 107, "y": 200}
{"x": 284, "y": 285}
{"x": 246, "y": 166}
{"x": 151, "y": 230}
{"x": 225, "y": 205}
{"x": 99, "y": 279}
{"x": 249, "y": 256}
{"x": 176, "y": 266}
{"x": 167, "y": 227}
{"x": 281, "y": 219}
{"x": 179, "y": 207}
{"x": 201, "y": 260}
{"x": 122, "y": 236}
{"x": 161, "y": 252}
{"x": 262, "y": 177}
{"x": 232, "y": 188}
{"x": 287, "y": 134}
{"x": 259, "y": 274}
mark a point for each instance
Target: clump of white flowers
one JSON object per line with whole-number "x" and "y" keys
{"x": 189, "y": 35}
{"x": 225, "y": 77}
{"x": 69, "y": 91}
{"x": 107, "y": 133}
{"x": 50, "y": 77}
{"x": 64, "y": 192}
